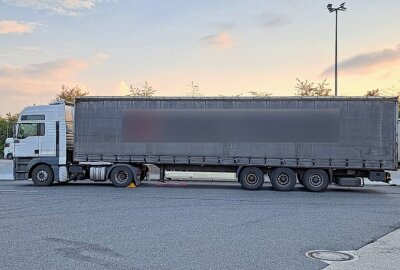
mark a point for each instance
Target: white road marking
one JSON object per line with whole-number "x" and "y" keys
{"x": 18, "y": 191}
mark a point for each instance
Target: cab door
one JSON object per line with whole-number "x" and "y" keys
{"x": 47, "y": 142}
{"x": 26, "y": 143}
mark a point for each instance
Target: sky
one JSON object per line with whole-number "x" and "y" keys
{"x": 226, "y": 47}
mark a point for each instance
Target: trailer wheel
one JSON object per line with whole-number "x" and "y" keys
{"x": 251, "y": 178}
{"x": 43, "y": 175}
{"x": 315, "y": 180}
{"x": 283, "y": 179}
{"x": 121, "y": 176}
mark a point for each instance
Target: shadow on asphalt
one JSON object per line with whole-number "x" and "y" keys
{"x": 213, "y": 185}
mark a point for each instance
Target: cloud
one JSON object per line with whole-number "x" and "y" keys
{"x": 14, "y": 27}
{"x": 224, "y": 26}
{"x": 61, "y": 7}
{"x": 221, "y": 40}
{"x": 38, "y": 83}
{"x": 54, "y": 70}
{"x": 272, "y": 19}
{"x": 23, "y": 52}
{"x": 367, "y": 62}
{"x": 100, "y": 58}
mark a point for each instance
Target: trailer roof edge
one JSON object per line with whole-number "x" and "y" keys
{"x": 88, "y": 98}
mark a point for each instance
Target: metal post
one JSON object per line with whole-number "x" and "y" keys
{"x": 336, "y": 53}
{"x": 331, "y": 10}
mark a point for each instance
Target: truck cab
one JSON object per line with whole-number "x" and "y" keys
{"x": 43, "y": 142}
{"x": 9, "y": 148}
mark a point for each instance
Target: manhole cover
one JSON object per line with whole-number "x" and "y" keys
{"x": 331, "y": 256}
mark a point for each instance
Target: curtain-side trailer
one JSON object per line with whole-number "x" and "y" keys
{"x": 314, "y": 140}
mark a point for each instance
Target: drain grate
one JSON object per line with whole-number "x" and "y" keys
{"x": 330, "y": 256}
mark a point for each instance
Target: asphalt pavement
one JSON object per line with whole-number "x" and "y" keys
{"x": 191, "y": 226}
{"x": 6, "y": 169}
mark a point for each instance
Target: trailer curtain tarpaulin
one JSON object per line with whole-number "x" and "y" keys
{"x": 328, "y": 132}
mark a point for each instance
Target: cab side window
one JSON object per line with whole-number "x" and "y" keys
{"x": 7, "y": 145}
{"x": 29, "y": 130}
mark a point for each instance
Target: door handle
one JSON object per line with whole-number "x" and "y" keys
{"x": 37, "y": 151}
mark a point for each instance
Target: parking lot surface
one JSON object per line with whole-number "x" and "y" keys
{"x": 192, "y": 226}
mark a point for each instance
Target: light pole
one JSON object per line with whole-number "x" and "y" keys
{"x": 331, "y": 9}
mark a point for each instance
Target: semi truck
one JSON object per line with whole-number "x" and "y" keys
{"x": 316, "y": 141}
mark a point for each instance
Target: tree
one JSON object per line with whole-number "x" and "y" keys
{"x": 305, "y": 88}
{"x": 69, "y": 94}
{"x": 259, "y": 94}
{"x": 323, "y": 89}
{"x": 233, "y": 96}
{"x": 395, "y": 88}
{"x": 194, "y": 90}
{"x": 373, "y": 93}
{"x": 146, "y": 91}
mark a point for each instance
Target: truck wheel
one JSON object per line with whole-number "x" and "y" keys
{"x": 9, "y": 156}
{"x": 315, "y": 180}
{"x": 43, "y": 175}
{"x": 121, "y": 176}
{"x": 251, "y": 178}
{"x": 283, "y": 179}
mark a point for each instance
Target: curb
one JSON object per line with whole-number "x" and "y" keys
{"x": 384, "y": 253}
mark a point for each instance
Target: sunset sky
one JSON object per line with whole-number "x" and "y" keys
{"x": 226, "y": 47}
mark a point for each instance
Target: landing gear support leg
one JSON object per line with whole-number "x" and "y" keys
{"x": 162, "y": 174}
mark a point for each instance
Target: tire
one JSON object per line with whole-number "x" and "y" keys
{"x": 251, "y": 178}
{"x": 283, "y": 179}
{"x": 10, "y": 156}
{"x": 43, "y": 175}
{"x": 121, "y": 176}
{"x": 315, "y": 180}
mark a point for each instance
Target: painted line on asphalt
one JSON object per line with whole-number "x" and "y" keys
{"x": 17, "y": 191}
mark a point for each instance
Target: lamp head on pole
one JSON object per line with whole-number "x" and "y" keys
{"x": 340, "y": 8}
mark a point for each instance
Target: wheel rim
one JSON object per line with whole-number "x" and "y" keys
{"x": 251, "y": 179}
{"x": 121, "y": 177}
{"x": 42, "y": 175}
{"x": 283, "y": 179}
{"x": 316, "y": 180}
